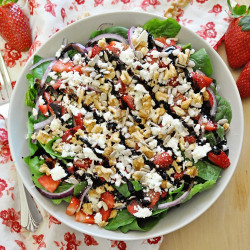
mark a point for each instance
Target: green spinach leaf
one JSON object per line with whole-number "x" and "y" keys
{"x": 210, "y": 138}
{"x": 62, "y": 187}
{"x": 39, "y": 71}
{"x": 119, "y": 30}
{"x": 220, "y": 132}
{"x": 30, "y": 96}
{"x": 224, "y": 110}
{"x": 123, "y": 189}
{"x": 79, "y": 188}
{"x": 202, "y": 62}
{"x": 162, "y": 28}
{"x": 207, "y": 171}
{"x": 123, "y": 218}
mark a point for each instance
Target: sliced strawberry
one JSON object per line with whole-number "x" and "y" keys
{"x": 82, "y": 163}
{"x": 179, "y": 97}
{"x": 73, "y": 206}
{"x": 220, "y": 160}
{"x": 71, "y": 169}
{"x": 173, "y": 82}
{"x": 113, "y": 49}
{"x": 178, "y": 176}
{"x": 134, "y": 206}
{"x": 130, "y": 101}
{"x": 44, "y": 109}
{"x": 163, "y": 160}
{"x": 64, "y": 110}
{"x": 164, "y": 194}
{"x": 201, "y": 80}
{"x": 108, "y": 198}
{"x": 208, "y": 124}
{"x": 211, "y": 99}
{"x": 163, "y": 41}
{"x": 67, "y": 135}
{"x": 95, "y": 51}
{"x": 57, "y": 84}
{"x": 154, "y": 197}
{"x": 123, "y": 89}
{"x": 47, "y": 97}
{"x": 48, "y": 183}
{"x": 105, "y": 214}
{"x": 190, "y": 139}
{"x": 80, "y": 216}
{"x": 78, "y": 120}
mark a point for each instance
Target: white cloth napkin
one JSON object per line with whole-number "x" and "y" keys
{"x": 205, "y": 17}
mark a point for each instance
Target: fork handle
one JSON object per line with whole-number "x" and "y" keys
{"x": 30, "y": 216}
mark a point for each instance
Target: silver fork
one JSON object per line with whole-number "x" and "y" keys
{"x": 30, "y": 215}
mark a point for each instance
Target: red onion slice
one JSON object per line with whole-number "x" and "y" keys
{"x": 108, "y": 36}
{"x": 83, "y": 194}
{"x": 63, "y": 194}
{"x": 41, "y": 125}
{"x": 131, "y": 30}
{"x": 93, "y": 89}
{"x": 104, "y": 25}
{"x": 74, "y": 46}
{"x": 177, "y": 201}
{"x": 46, "y": 73}
{"x": 42, "y": 61}
{"x": 214, "y": 107}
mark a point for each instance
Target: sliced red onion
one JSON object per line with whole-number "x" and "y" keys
{"x": 46, "y": 73}
{"x": 83, "y": 194}
{"x": 177, "y": 201}
{"x": 104, "y": 25}
{"x": 63, "y": 194}
{"x": 42, "y": 61}
{"x": 131, "y": 30}
{"x": 108, "y": 36}
{"x": 94, "y": 89}
{"x": 74, "y": 46}
{"x": 41, "y": 125}
{"x": 214, "y": 107}
{"x": 88, "y": 49}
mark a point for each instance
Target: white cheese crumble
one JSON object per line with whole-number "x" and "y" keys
{"x": 143, "y": 212}
{"x": 152, "y": 180}
{"x": 201, "y": 151}
{"x": 57, "y": 173}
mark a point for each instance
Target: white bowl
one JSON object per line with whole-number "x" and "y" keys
{"x": 177, "y": 217}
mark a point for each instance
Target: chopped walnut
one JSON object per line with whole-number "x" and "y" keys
{"x": 108, "y": 151}
{"x": 87, "y": 208}
{"x": 108, "y": 187}
{"x": 179, "y": 111}
{"x": 102, "y": 43}
{"x": 126, "y": 78}
{"x": 191, "y": 171}
{"x": 161, "y": 96}
{"x": 89, "y": 124}
{"x": 113, "y": 214}
{"x": 185, "y": 104}
{"x": 169, "y": 73}
{"x": 44, "y": 169}
{"x": 103, "y": 172}
{"x": 138, "y": 163}
{"x": 176, "y": 166}
{"x": 149, "y": 153}
{"x": 43, "y": 137}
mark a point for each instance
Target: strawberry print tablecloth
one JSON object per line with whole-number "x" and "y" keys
{"x": 205, "y": 17}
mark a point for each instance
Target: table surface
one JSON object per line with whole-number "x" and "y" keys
{"x": 225, "y": 225}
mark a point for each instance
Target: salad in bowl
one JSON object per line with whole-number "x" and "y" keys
{"x": 127, "y": 126}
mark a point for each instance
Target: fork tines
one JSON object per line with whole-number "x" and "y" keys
{"x": 5, "y": 87}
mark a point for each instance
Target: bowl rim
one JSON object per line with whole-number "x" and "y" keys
{"x": 143, "y": 235}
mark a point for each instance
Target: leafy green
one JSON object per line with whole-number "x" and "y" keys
{"x": 202, "y": 62}
{"x": 159, "y": 211}
{"x": 48, "y": 148}
{"x": 224, "y": 110}
{"x": 177, "y": 190}
{"x": 137, "y": 185}
{"x": 123, "y": 218}
{"x": 34, "y": 166}
{"x": 39, "y": 71}
{"x": 162, "y": 28}
{"x": 220, "y": 132}
{"x": 79, "y": 188}
{"x": 210, "y": 138}
{"x": 186, "y": 46}
{"x": 119, "y": 30}
{"x": 207, "y": 171}
{"x": 30, "y": 96}
{"x": 200, "y": 188}
{"x": 33, "y": 147}
{"x": 123, "y": 189}
{"x": 245, "y": 23}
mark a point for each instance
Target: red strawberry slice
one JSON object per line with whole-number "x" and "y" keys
{"x": 130, "y": 101}
{"x": 190, "y": 139}
{"x": 163, "y": 160}
{"x": 164, "y": 194}
{"x": 220, "y": 160}
{"x": 78, "y": 120}
{"x": 80, "y": 216}
{"x": 178, "y": 176}
{"x": 105, "y": 214}
{"x": 68, "y": 134}
{"x": 57, "y": 84}
{"x": 108, "y": 198}
{"x": 59, "y": 67}
{"x": 237, "y": 44}
{"x": 48, "y": 183}
{"x": 208, "y": 124}
{"x": 113, "y": 49}
{"x": 201, "y": 80}
{"x": 73, "y": 206}
{"x": 163, "y": 41}
{"x": 134, "y": 206}
{"x": 44, "y": 109}
{"x": 82, "y": 163}
{"x": 14, "y": 27}
{"x": 154, "y": 197}
{"x": 123, "y": 89}
{"x": 95, "y": 51}
{"x": 243, "y": 82}
{"x": 47, "y": 97}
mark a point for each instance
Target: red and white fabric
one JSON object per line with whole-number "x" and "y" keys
{"x": 208, "y": 18}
